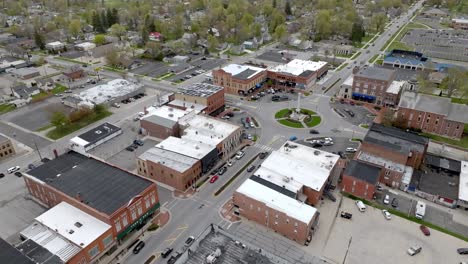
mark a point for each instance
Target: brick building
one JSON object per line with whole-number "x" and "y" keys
{"x": 405, "y": 59}
{"x": 374, "y": 85}
{"x": 267, "y": 205}
{"x": 162, "y": 122}
{"x": 239, "y": 79}
{"x": 433, "y": 114}
{"x": 74, "y": 73}
{"x": 7, "y": 149}
{"x": 360, "y": 179}
{"x": 396, "y": 151}
{"x": 458, "y": 23}
{"x": 298, "y": 74}
{"x": 169, "y": 167}
{"x": 10, "y": 254}
{"x": 119, "y": 198}
{"x": 65, "y": 234}
{"x": 208, "y": 95}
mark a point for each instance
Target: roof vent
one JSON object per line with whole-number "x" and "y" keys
{"x": 197, "y": 147}
{"x": 78, "y": 224}
{"x": 58, "y": 175}
{"x": 71, "y": 231}
{"x": 285, "y": 179}
{"x": 98, "y": 132}
{"x": 316, "y": 153}
{"x": 171, "y": 109}
{"x": 171, "y": 115}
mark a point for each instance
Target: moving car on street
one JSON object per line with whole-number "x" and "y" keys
{"x": 387, "y": 214}
{"x": 413, "y": 250}
{"x": 214, "y": 178}
{"x": 425, "y": 230}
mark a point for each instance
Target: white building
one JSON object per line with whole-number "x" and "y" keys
{"x": 55, "y": 46}
{"x": 85, "y": 46}
{"x": 94, "y": 137}
{"x": 463, "y": 186}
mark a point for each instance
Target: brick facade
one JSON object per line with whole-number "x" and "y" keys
{"x": 155, "y": 130}
{"x": 214, "y": 103}
{"x": 7, "y": 148}
{"x": 374, "y": 88}
{"x": 431, "y": 123}
{"x": 288, "y": 81}
{"x": 237, "y": 86}
{"x": 357, "y": 187}
{"x": 161, "y": 173}
{"x": 275, "y": 220}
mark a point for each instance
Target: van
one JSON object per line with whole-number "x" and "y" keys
{"x": 361, "y": 206}
{"x": 13, "y": 169}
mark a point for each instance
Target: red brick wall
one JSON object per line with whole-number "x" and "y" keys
{"x": 383, "y": 152}
{"x": 313, "y": 197}
{"x": 158, "y": 131}
{"x": 233, "y": 85}
{"x": 357, "y": 187}
{"x": 173, "y": 178}
{"x": 215, "y": 101}
{"x": 273, "y": 219}
{"x": 431, "y": 123}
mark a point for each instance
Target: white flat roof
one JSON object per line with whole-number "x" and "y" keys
{"x": 296, "y": 66}
{"x": 191, "y": 148}
{"x": 278, "y": 201}
{"x": 349, "y": 81}
{"x": 64, "y": 219}
{"x": 189, "y": 105}
{"x": 460, "y": 20}
{"x": 79, "y": 141}
{"x": 55, "y": 43}
{"x": 167, "y": 112}
{"x": 395, "y": 87}
{"x": 170, "y": 159}
{"x": 207, "y": 130}
{"x": 86, "y": 45}
{"x": 463, "y": 186}
{"x": 299, "y": 166}
{"x": 106, "y": 92}
{"x": 235, "y": 69}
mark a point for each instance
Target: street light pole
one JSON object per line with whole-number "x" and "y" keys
{"x": 37, "y": 148}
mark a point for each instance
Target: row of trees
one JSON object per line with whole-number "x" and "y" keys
{"x": 102, "y": 21}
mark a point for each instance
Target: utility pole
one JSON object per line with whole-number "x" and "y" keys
{"x": 37, "y": 148}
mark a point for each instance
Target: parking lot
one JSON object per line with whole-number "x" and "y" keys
{"x": 274, "y": 56}
{"x": 369, "y": 238}
{"x": 198, "y": 65}
{"x": 35, "y": 116}
{"x": 339, "y": 144}
{"x": 361, "y": 114}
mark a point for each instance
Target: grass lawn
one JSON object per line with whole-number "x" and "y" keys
{"x": 342, "y": 67}
{"x": 371, "y": 60}
{"x": 344, "y": 56}
{"x": 380, "y": 62}
{"x": 59, "y": 132}
{"x": 307, "y": 111}
{"x": 4, "y": 108}
{"x": 460, "y": 100}
{"x": 364, "y": 126}
{"x": 367, "y": 38}
{"x": 40, "y": 95}
{"x": 399, "y": 45}
{"x": 355, "y": 55}
{"x": 315, "y": 120}
{"x": 465, "y": 129}
{"x": 463, "y": 142}
{"x": 59, "y": 89}
{"x": 290, "y": 123}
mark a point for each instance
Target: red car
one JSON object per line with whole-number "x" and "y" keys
{"x": 214, "y": 178}
{"x": 425, "y": 230}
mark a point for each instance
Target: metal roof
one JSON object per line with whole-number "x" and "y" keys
{"x": 363, "y": 171}
{"x": 98, "y": 133}
{"x": 200, "y": 89}
{"x": 101, "y": 186}
{"x": 376, "y": 73}
{"x": 11, "y": 255}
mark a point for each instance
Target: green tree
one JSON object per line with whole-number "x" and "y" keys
{"x": 115, "y": 15}
{"x": 378, "y": 20}
{"x": 96, "y": 22}
{"x": 281, "y": 33}
{"x": 104, "y": 23}
{"x": 110, "y": 17}
{"x": 357, "y": 32}
{"x": 75, "y": 27}
{"x": 99, "y": 39}
{"x": 212, "y": 42}
{"x": 287, "y": 8}
{"x": 113, "y": 58}
{"x": 39, "y": 39}
{"x": 144, "y": 35}
{"x": 456, "y": 82}
{"x": 59, "y": 119}
{"x": 323, "y": 24}
{"x": 274, "y": 4}
{"x": 118, "y": 31}
{"x": 99, "y": 109}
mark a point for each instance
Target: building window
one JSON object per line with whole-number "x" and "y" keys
{"x": 258, "y": 209}
{"x": 295, "y": 230}
{"x": 354, "y": 182}
{"x": 287, "y": 221}
{"x": 153, "y": 199}
{"x": 107, "y": 241}
{"x": 295, "y": 224}
{"x": 124, "y": 220}
{"x": 140, "y": 210}
{"x": 147, "y": 202}
{"x": 251, "y": 206}
{"x": 118, "y": 227}
{"x": 367, "y": 186}
{"x": 93, "y": 252}
{"x": 276, "y": 223}
{"x": 276, "y": 216}
{"x": 387, "y": 173}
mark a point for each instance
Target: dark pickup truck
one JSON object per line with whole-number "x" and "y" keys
{"x": 346, "y": 215}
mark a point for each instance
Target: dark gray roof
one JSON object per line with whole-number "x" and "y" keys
{"x": 98, "y": 133}
{"x": 39, "y": 254}
{"x": 444, "y": 163}
{"x": 11, "y": 255}
{"x": 363, "y": 171}
{"x": 377, "y": 73}
{"x": 244, "y": 75}
{"x": 306, "y": 73}
{"x": 24, "y": 91}
{"x": 200, "y": 89}
{"x": 273, "y": 186}
{"x": 162, "y": 121}
{"x": 395, "y": 139}
{"x": 101, "y": 186}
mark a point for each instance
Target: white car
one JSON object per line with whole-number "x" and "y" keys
{"x": 386, "y": 200}
{"x": 252, "y": 124}
{"x": 328, "y": 139}
{"x": 387, "y": 214}
{"x": 249, "y": 137}
{"x": 13, "y": 169}
{"x": 240, "y": 154}
{"x": 140, "y": 114}
{"x": 351, "y": 150}
{"x": 230, "y": 163}
{"x": 414, "y": 250}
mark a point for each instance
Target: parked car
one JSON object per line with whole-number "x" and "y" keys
{"x": 214, "y": 178}
{"x": 174, "y": 257}
{"x": 386, "y": 199}
{"x": 263, "y": 155}
{"x": 240, "y": 154}
{"x": 413, "y": 250}
{"x": 249, "y": 137}
{"x": 116, "y": 105}
{"x": 313, "y": 131}
{"x": 166, "y": 252}
{"x": 462, "y": 251}
{"x": 361, "y": 206}
{"x": 425, "y": 230}
{"x": 230, "y": 163}
{"x": 2, "y": 175}
{"x": 138, "y": 142}
{"x": 394, "y": 202}
{"x": 292, "y": 138}
{"x": 330, "y": 196}
{"x": 379, "y": 187}
{"x": 351, "y": 150}
{"x": 252, "y": 124}
{"x": 222, "y": 170}
{"x": 189, "y": 241}
{"x": 130, "y": 148}
{"x": 13, "y": 169}
{"x": 225, "y": 117}
{"x": 317, "y": 145}
{"x": 31, "y": 166}
{"x": 18, "y": 174}
{"x": 387, "y": 214}
{"x": 251, "y": 168}
{"x": 346, "y": 215}
{"x": 138, "y": 247}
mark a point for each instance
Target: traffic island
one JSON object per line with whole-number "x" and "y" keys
{"x": 298, "y": 119}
